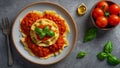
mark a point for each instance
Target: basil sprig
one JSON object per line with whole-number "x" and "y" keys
{"x": 113, "y": 60}
{"x": 44, "y": 32}
{"x": 90, "y": 34}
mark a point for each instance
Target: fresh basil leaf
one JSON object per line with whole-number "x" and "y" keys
{"x": 90, "y": 34}
{"x": 81, "y": 54}
{"x": 108, "y": 47}
{"x": 38, "y": 30}
{"x": 102, "y": 55}
{"x": 113, "y": 60}
{"x": 46, "y": 28}
{"x": 42, "y": 35}
{"x": 51, "y": 33}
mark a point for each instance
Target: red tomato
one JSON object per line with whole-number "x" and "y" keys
{"x": 101, "y": 22}
{"x": 103, "y": 5}
{"x": 97, "y": 12}
{"x": 114, "y": 9}
{"x": 113, "y": 20}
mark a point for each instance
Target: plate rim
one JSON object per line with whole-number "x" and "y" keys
{"x": 62, "y": 8}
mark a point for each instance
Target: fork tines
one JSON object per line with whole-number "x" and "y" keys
{"x": 5, "y": 24}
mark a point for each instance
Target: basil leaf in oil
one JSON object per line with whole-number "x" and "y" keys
{"x": 108, "y": 47}
{"x": 90, "y": 34}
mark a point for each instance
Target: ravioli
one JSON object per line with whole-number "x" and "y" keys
{"x": 44, "y": 48}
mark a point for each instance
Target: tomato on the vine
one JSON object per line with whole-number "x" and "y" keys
{"x": 101, "y": 22}
{"x": 103, "y": 5}
{"x": 113, "y": 20}
{"x": 97, "y": 12}
{"x": 114, "y": 9}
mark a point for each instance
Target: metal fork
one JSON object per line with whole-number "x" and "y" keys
{"x": 6, "y": 31}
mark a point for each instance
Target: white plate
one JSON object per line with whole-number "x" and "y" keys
{"x": 16, "y": 35}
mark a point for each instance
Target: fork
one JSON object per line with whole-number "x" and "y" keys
{"x": 6, "y": 31}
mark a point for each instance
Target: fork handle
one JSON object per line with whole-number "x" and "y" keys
{"x": 10, "y": 58}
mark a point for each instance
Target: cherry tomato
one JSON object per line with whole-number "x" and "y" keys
{"x": 97, "y": 12}
{"x": 113, "y": 20}
{"x": 114, "y": 9}
{"x": 103, "y": 5}
{"x": 101, "y": 22}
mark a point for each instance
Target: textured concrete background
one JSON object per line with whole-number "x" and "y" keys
{"x": 11, "y": 8}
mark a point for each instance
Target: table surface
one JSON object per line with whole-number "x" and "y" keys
{"x": 11, "y": 8}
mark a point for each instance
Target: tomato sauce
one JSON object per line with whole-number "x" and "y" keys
{"x": 27, "y": 22}
{"x": 41, "y": 51}
{"x": 43, "y": 39}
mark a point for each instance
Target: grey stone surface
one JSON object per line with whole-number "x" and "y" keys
{"x": 11, "y": 8}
